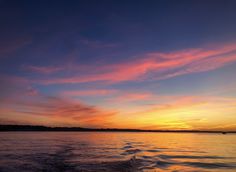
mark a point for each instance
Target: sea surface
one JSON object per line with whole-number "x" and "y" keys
{"x": 116, "y": 152}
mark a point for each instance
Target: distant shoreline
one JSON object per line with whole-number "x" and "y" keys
{"x": 26, "y": 128}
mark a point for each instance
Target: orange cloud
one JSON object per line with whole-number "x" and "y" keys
{"x": 187, "y": 112}
{"x": 23, "y": 105}
{"x": 57, "y": 111}
{"x": 21, "y": 102}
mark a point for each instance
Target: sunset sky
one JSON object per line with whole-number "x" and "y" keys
{"x": 156, "y": 64}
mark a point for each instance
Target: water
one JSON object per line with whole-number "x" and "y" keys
{"x": 121, "y": 151}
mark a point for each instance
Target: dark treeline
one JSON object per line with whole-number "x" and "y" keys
{"x": 43, "y": 128}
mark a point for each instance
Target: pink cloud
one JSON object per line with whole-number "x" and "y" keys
{"x": 131, "y": 97}
{"x": 13, "y": 44}
{"x": 95, "y": 92}
{"x": 118, "y": 96}
{"x": 44, "y": 69}
{"x": 154, "y": 65}
{"x": 13, "y": 86}
{"x": 24, "y": 104}
{"x": 32, "y": 91}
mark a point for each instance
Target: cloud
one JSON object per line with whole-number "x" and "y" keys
{"x": 10, "y": 45}
{"x": 187, "y": 112}
{"x": 32, "y": 91}
{"x": 43, "y": 69}
{"x": 57, "y": 111}
{"x": 226, "y": 127}
{"x": 155, "y": 66}
{"x": 131, "y": 97}
{"x": 14, "y": 86}
{"x": 21, "y": 102}
{"x": 118, "y": 96}
{"x": 94, "y": 92}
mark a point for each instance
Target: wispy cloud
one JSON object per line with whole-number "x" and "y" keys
{"x": 131, "y": 97}
{"x": 24, "y": 104}
{"x": 114, "y": 95}
{"x": 43, "y": 69}
{"x": 187, "y": 112}
{"x": 10, "y": 45}
{"x": 22, "y": 101}
{"x": 94, "y": 92}
{"x": 154, "y": 66}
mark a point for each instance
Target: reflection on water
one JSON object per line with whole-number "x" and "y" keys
{"x": 106, "y": 151}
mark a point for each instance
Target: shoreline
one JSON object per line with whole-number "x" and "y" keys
{"x": 30, "y": 128}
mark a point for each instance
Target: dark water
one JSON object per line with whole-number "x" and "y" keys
{"x": 104, "y": 151}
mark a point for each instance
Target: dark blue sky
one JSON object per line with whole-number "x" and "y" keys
{"x": 56, "y": 28}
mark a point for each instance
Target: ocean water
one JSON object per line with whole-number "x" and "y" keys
{"x": 116, "y": 152}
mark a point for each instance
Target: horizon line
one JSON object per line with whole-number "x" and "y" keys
{"x": 13, "y": 127}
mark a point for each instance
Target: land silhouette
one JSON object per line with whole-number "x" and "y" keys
{"x": 46, "y": 128}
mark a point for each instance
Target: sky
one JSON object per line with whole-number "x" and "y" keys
{"x": 157, "y": 64}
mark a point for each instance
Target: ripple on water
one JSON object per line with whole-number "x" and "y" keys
{"x": 117, "y": 156}
{"x": 190, "y": 157}
{"x": 131, "y": 151}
